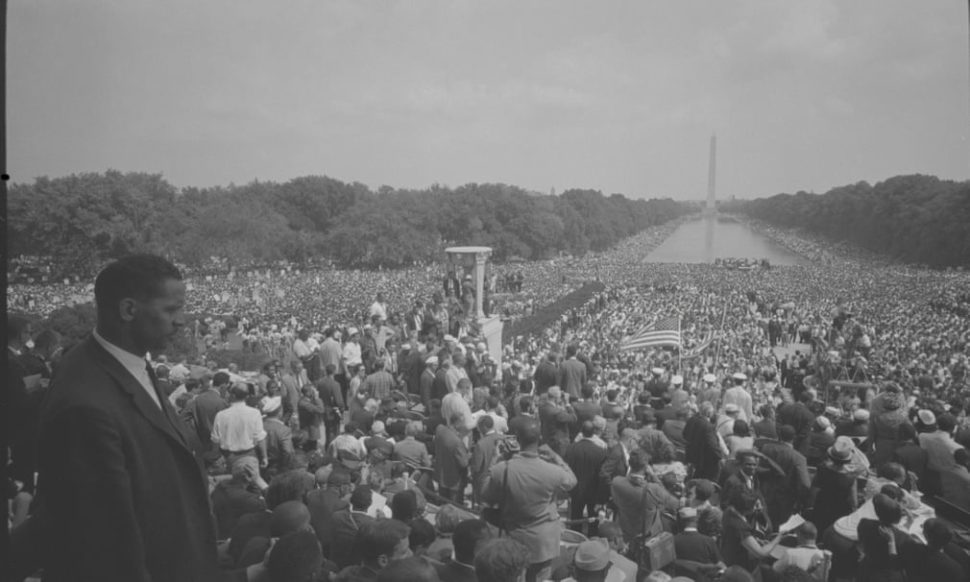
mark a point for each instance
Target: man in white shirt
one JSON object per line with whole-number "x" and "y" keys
{"x": 351, "y": 354}
{"x": 379, "y": 307}
{"x": 238, "y": 430}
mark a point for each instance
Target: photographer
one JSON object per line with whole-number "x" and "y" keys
{"x": 537, "y": 475}
{"x": 484, "y": 453}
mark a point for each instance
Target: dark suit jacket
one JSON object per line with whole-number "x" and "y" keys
{"x": 346, "y": 523}
{"x": 614, "y": 465}
{"x": 232, "y": 500}
{"x": 125, "y": 494}
{"x": 585, "y": 458}
{"x": 572, "y": 376}
{"x": 323, "y": 504}
{"x": 555, "y": 422}
{"x": 450, "y": 457}
{"x": 703, "y": 449}
{"x": 545, "y": 376}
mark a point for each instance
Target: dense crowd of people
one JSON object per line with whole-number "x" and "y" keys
{"x": 807, "y": 428}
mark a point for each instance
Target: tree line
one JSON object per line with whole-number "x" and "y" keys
{"x": 80, "y": 221}
{"x": 913, "y": 219}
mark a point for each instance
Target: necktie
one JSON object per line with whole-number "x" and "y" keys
{"x": 161, "y": 399}
{"x": 154, "y": 380}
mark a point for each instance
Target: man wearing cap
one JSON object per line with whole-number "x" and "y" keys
{"x": 696, "y": 552}
{"x": 572, "y": 373}
{"x": 426, "y": 386}
{"x": 739, "y": 396}
{"x": 611, "y": 532}
{"x": 854, "y": 427}
{"x": 710, "y": 392}
{"x": 593, "y": 563}
{"x": 939, "y": 445}
{"x": 279, "y": 437}
{"x": 238, "y": 430}
{"x": 725, "y": 421}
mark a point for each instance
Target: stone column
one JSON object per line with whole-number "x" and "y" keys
{"x": 481, "y": 257}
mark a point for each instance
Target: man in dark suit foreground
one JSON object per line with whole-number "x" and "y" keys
{"x": 123, "y": 492}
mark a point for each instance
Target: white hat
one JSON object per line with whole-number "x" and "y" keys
{"x": 271, "y": 404}
{"x": 832, "y": 411}
{"x": 731, "y": 408}
{"x": 481, "y": 347}
{"x": 368, "y": 326}
{"x": 405, "y": 346}
{"x": 739, "y": 376}
{"x": 926, "y": 417}
{"x": 677, "y": 380}
{"x": 823, "y": 422}
{"x": 431, "y": 361}
{"x": 352, "y": 331}
{"x": 861, "y": 414}
{"x": 657, "y": 371}
{"x": 710, "y": 378}
{"x": 450, "y": 338}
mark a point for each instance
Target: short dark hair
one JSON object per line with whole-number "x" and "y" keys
{"x": 946, "y": 422}
{"x": 587, "y": 391}
{"x": 501, "y": 560}
{"x": 741, "y": 428}
{"x": 220, "y": 378}
{"x": 527, "y": 432}
{"x": 422, "y": 533}
{"x": 361, "y": 498}
{"x": 379, "y": 538}
{"x": 639, "y": 459}
{"x": 136, "y": 276}
{"x": 887, "y": 509}
{"x": 588, "y": 429}
{"x": 938, "y": 533}
{"x": 468, "y": 534}
{"x": 295, "y": 556}
{"x": 404, "y": 505}
{"x": 786, "y": 433}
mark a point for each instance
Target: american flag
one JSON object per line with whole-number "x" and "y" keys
{"x": 665, "y": 332}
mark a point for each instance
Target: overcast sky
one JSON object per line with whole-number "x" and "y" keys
{"x": 614, "y": 96}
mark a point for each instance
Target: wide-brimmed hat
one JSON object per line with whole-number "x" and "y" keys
{"x": 592, "y": 555}
{"x": 841, "y": 450}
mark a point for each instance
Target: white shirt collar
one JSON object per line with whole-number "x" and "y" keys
{"x": 135, "y": 365}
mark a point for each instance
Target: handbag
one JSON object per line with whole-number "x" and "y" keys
{"x": 493, "y": 515}
{"x": 654, "y": 547}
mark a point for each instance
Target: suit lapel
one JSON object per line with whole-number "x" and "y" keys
{"x": 163, "y": 419}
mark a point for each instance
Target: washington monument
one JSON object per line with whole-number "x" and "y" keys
{"x": 710, "y": 209}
